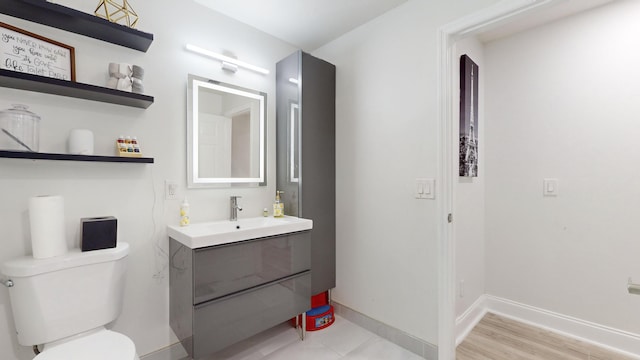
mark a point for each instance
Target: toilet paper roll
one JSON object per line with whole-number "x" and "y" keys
{"x": 126, "y": 69}
{"x": 114, "y": 69}
{"x": 137, "y": 72}
{"x": 136, "y": 86}
{"x": 137, "y": 89}
{"x": 124, "y": 84}
{"x": 80, "y": 142}
{"x": 120, "y": 70}
{"x": 46, "y": 220}
{"x": 112, "y": 83}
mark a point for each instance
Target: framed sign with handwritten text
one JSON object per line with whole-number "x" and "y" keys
{"x": 26, "y": 52}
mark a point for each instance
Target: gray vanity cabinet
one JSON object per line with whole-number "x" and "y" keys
{"x": 220, "y": 295}
{"x": 306, "y": 155}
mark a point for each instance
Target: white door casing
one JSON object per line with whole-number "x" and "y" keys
{"x": 448, "y": 35}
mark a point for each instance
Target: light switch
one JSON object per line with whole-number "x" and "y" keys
{"x": 550, "y": 187}
{"x": 425, "y": 188}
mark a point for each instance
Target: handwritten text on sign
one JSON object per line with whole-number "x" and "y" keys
{"x": 26, "y": 54}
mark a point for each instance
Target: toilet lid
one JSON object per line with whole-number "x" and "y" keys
{"x": 103, "y": 345}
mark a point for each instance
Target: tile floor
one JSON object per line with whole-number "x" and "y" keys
{"x": 342, "y": 340}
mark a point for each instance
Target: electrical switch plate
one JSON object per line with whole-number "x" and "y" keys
{"x": 425, "y": 188}
{"x": 170, "y": 190}
{"x": 550, "y": 187}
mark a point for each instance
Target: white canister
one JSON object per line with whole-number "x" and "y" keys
{"x": 80, "y": 142}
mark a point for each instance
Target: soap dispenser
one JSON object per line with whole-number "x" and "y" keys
{"x": 278, "y": 206}
{"x": 184, "y": 213}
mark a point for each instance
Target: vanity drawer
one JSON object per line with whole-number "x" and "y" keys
{"x": 220, "y": 323}
{"x": 226, "y": 269}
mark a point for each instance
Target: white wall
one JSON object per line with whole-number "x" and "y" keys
{"x": 386, "y": 138}
{"x": 562, "y": 102}
{"x": 469, "y": 224}
{"x": 133, "y": 193}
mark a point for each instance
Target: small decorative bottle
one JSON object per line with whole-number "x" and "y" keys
{"x": 278, "y": 206}
{"x": 184, "y": 213}
{"x": 122, "y": 146}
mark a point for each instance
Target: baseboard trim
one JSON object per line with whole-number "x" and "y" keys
{"x": 616, "y": 340}
{"x": 171, "y": 352}
{"x": 394, "y": 335}
{"x": 470, "y": 318}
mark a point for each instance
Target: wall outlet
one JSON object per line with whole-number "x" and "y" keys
{"x": 170, "y": 190}
{"x": 461, "y": 288}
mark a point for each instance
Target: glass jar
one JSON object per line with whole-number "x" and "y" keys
{"x": 19, "y": 129}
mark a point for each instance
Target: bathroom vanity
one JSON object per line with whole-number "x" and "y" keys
{"x": 230, "y": 280}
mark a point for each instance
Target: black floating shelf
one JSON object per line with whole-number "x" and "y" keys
{"x": 73, "y": 89}
{"x": 62, "y": 17}
{"x": 69, "y": 157}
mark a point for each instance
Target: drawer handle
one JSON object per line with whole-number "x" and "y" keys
{"x": 254, "y": 288}
{"x": 633, "y": 288}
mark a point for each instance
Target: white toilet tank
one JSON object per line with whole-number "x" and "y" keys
{"x": 66, "y": 295}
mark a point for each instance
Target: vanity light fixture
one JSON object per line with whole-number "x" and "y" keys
{"x": 228, "y": 63}
{"x": 229, "y": 67}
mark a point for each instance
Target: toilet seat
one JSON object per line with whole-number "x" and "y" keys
{"x": 102, "y": 345}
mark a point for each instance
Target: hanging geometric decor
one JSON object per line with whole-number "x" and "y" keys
{"x": 114, "y": 12}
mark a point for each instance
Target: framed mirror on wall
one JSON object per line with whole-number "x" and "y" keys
{"x": 226, "y": 134}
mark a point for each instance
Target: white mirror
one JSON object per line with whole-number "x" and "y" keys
{"x": 226, "y": 134}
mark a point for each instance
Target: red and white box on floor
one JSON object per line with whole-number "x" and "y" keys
{"x": 321, "y": 314}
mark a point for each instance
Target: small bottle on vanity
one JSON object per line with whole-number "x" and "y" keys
{"x": 278, "y": 206}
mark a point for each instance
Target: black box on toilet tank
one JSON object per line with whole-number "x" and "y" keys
{"x": 98, "y": 233}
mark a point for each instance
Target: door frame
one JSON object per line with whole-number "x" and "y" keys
{"x": 502, "y": 12}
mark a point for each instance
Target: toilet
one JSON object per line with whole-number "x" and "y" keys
{"x": 65, "y": 302}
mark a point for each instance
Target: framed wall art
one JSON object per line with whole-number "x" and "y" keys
{"x": 26, "y": 52}
{"x": 468, "y": 162}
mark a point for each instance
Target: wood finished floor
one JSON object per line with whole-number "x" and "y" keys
{"x": 499, "y": 338}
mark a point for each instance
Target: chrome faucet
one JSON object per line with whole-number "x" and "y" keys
{"x": 234, "y": 207}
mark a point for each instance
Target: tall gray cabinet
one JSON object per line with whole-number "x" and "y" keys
{"x": 306, "y": 154}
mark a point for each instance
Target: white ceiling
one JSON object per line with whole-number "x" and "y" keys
{"x": 307, "y": 24}
{"x": 539, "y": 17}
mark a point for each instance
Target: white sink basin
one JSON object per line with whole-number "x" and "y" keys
{"x": 223, "y": 232}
